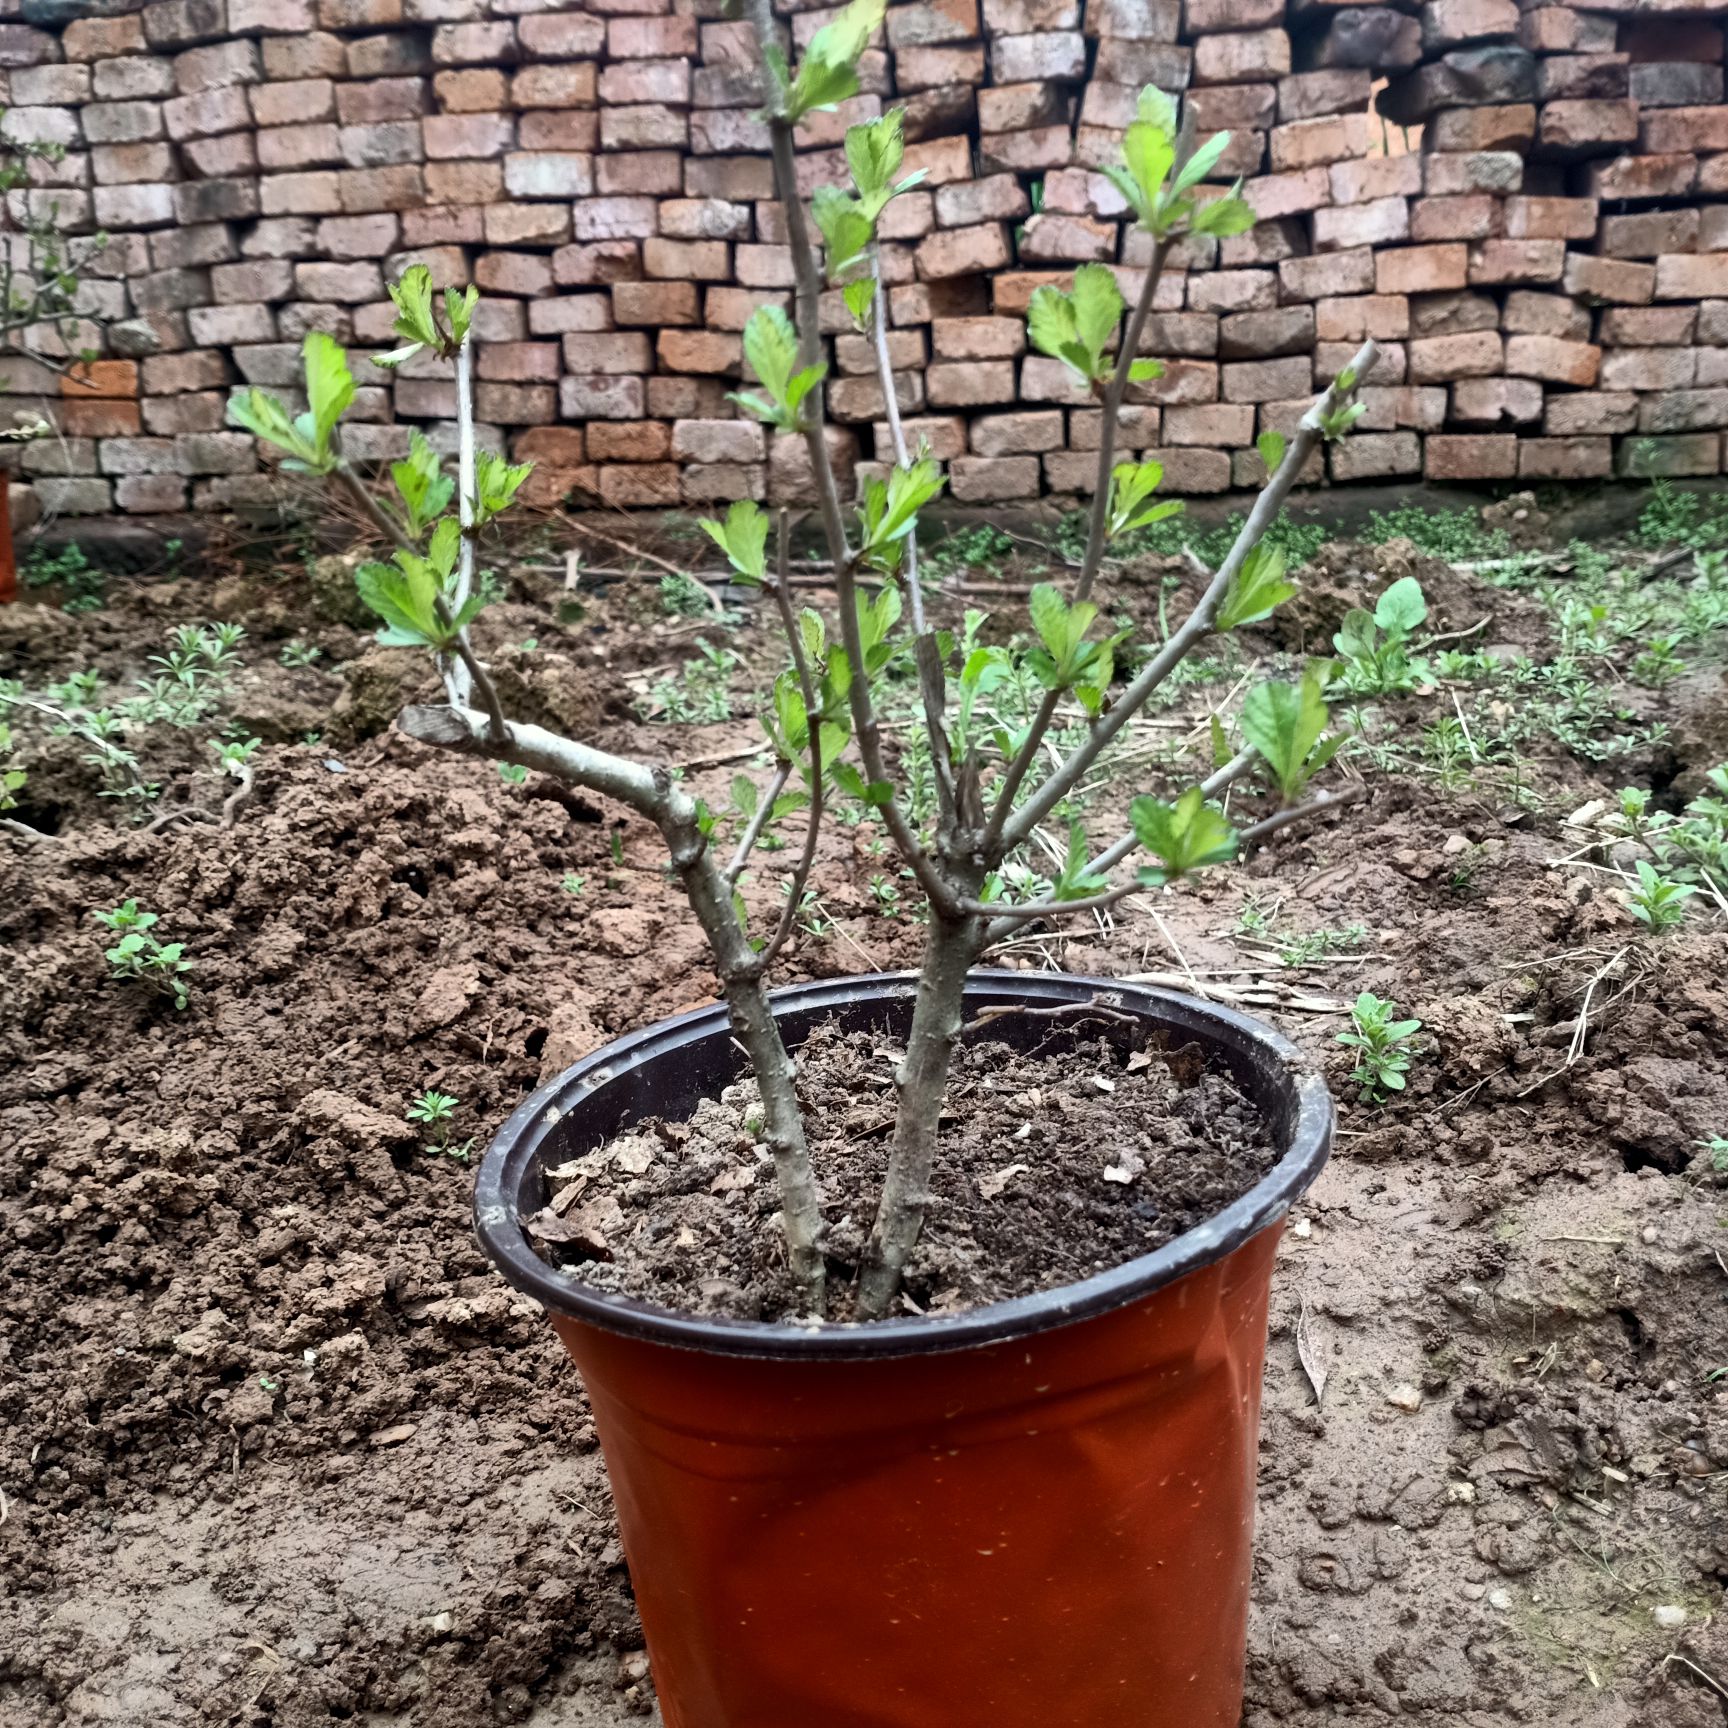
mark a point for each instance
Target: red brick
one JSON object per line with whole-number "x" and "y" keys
{"x": 1473, "y": 216}
{"x": 1551, "y": 218}
{"x": 1421, "y": 269}
{"x": 1553, "y": 360}
{"x": 1439, "y": 359}
{"x": 1489, "y": 401}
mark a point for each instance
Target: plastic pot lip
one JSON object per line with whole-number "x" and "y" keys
{"x": 511, "y": 1164}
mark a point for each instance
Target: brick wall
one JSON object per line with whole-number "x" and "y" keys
{"x": 1527, "y": 218}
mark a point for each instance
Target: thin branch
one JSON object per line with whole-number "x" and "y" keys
{"x": 1113, "y": 394}
{"x": 896, "y": 431}
{"x": 813, "y": 724}
{"x": 759, "y": 820}
{"x": 929, "y": 666}
{"x": 1297, "y": 813}
{"x": 1198, "y": 622}
{"x": 466, "y": 486}
{"x": 1044, "y": 908}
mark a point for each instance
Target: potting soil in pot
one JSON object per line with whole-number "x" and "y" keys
{"x": 1057, "y": 1161}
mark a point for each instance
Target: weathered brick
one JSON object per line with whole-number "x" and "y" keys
{"x": 1505, "y": 261}
{"x": 1494, "y": 401}
{"x": 1701, "y": 277}
{"x": 1586, "y": 277}
{"x": 1550, "y": 218}
{"x": 1471, "y": 216}
{"x": 1421, "y": 269}
{"x": 1439, "y": 359}
{"x": 1528, "y": 313}
{"x": 1565, "y": 458}
{"x": 971, "y": 384}
{"x": 1553, "y": 360}
{"x": 1591, "y": 412}
{"x": 1486, "y": 456}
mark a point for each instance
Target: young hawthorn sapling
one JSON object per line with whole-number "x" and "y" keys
{"x": 993, "y": 788}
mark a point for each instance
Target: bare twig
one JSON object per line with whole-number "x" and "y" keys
{"x": 813, "y": 723}
{"x": 1299, "y": 813}
{"x": 758, "y": 820}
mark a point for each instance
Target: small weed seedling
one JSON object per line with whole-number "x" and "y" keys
{"x": 1717, "y": 1146}
{"x": 298, "y": 653}
{"x": 512, "y": 773}
{"x": 1382, "y": 1045}
{"x": 1375, "y": 646}
{"x": 573, "y": 884}
{"x": 69, "y": 571}
{"x": 139, "y": 956}
{"x": 1658, "y": 903}
{"x": 11, "y": 779}
{"x": 435, "y": 1111}
{"x": 683, "y": 596}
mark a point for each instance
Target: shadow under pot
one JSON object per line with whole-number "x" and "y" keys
{"x": 1034, "y": 1514}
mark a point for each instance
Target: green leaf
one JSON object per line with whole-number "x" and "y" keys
{"x": 329, "y": 385}
{"x": 1202, "y": 162}
{"x": 1285, "y": 723}
{"x": 1184, "y": 836}
{"x": 412, "y": 294}
{"x": 829, "y": 72}
{"x": 496, "y": 483}
{"x": 1075, "y": 882}
{"x": 1062, "y": 628}
{"x": 1149, "y": 150}
{"x": 1223, "y": 218}
{"x": 1156, "y": 109}
{"x": 1258, "y": 587}
{"x": 1131, "y": 485}
{"x": 422, "y": 485}
{"x": 264, "y": 417}
{"x": 812, "y": 635}
{"x": 1076, "y": 328}
{"x": 846, "y": 229}
{"x": 743, "y": 537}
{"x": 404, "y": 595}
{"x": 1144, "y": 371}
{"x": 1271, "y": 446}
{"x": 771, "y": 347}
{"x": 874, "y": 152}
{"x": 1356, "y": 637}
{"x": 1401, "y": 608}
{"x": 860, "y": 298}
{"x": 890, "y": 511}
{"x": 459, "y": 313}
{"x": 1098, "y": 309}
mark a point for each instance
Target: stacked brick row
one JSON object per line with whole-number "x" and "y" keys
{"x": 1526, "y": 206}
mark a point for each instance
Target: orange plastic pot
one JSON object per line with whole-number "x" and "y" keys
{"x": 1034, "y": 1515}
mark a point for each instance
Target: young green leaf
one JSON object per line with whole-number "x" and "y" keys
{"x": 1183, "y": 837}
{"x": 1271, "y": 446}
{"x": 1131, "y": 486}
{"x": 771, "y": 348}
{"x": 1144, "y": 371}
{"x": 829, "y": 72}
{"x": 1402, "y": 607}
{"x": 1257, "y": 588}
{"x": 743, "y": 537}
{"x": 329, "y": 385}
{"x": 422, "y": 485}
{"x": 496, "y": 483}
{"x": 1202, "y": 162}
{"x": 846, "y": 230}
{"x": 1285, "y": 723}
{"x": 860, "y": 298}
{"x": 404, "y": 595}
{"x": 1223, "y": 218}
{"x": 1076, "y": 328}
{"x": 890, "y": 510}
{"x": 1076, "y": 882}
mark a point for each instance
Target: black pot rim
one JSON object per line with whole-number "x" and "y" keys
{"x": 511, "y": 1165}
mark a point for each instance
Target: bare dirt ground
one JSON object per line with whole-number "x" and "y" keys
{"x": 278, "y": 1449}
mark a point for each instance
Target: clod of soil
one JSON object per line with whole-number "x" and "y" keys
{"x": 1057, "y": 1163}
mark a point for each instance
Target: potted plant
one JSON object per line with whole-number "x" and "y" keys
{"x": 843, "y": 1505}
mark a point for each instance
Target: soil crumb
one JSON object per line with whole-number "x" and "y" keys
{"x": 1057, "y": 1161}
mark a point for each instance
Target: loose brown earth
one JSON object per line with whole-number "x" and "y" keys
{"x": 278, "y": 1449}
